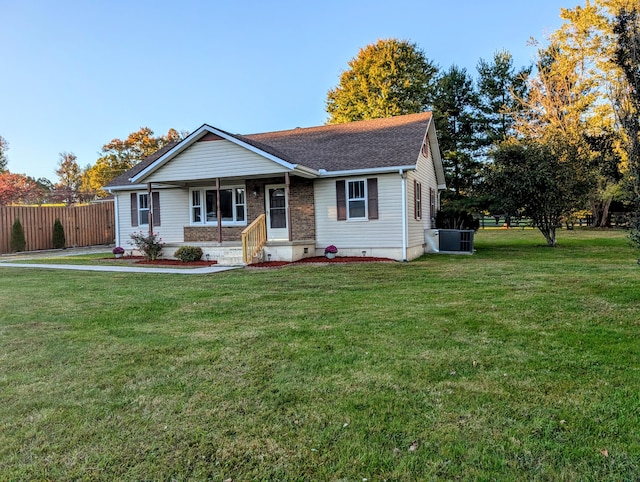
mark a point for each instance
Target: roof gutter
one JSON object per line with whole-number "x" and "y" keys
{"x": 374, "y": 170}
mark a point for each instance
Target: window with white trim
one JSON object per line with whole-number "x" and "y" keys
{"x": 143, "y": 209}
{"x": 357, "y": 199}
{"x": 204, "y": 206}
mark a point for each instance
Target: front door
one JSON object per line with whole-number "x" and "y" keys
{"x": 277, "y": 206}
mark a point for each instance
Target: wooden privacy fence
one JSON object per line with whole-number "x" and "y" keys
{"x": 89, "y": 225}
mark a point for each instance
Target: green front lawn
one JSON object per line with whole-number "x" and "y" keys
{"x": 518, "y": 363}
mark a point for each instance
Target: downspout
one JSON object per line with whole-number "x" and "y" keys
{"x": 116, "y": 214}
{"x": 403, "y": 176}
{"x": 287, "y": 188}
{"x": 150, "y": 204}
{"x": 218, "y": 210}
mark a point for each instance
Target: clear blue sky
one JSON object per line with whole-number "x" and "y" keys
{"x": 76, "y": 74}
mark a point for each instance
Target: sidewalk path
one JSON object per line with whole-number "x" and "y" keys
{"x": 5, "y": 262}
{"x": 121, "y": 269}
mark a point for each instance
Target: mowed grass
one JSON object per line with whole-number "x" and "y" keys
{"x": 520, "y": 362}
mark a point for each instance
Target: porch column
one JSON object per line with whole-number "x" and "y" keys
{"x": 150, "y": 204}
{"x": 288, "y": 198}
{"x": 218, "y": 210}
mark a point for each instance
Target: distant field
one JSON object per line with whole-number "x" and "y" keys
{"x": 520, "y": 362}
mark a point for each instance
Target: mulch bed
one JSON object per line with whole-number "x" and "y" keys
{"x": 266, "y": 264}
{"x": 321, "y": 260}
{"x": 164, "y": 262}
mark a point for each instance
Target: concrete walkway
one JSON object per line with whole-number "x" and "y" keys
{"x": 5, "y": 262}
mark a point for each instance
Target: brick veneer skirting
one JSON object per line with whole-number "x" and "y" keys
{"x": 210, "y": 233}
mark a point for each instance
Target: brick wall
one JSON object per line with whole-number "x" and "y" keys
{"x": 301, "y": 203}
{"x": 210, "y": 233}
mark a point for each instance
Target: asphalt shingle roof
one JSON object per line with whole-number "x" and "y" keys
{"x": 377, "y": 143}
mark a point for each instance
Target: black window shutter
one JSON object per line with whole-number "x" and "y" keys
{"x": 372, "y": 197}
{"x": 155, "y": 201}
{"x": 415, "y": 199}
{"x": 134, "y": 209}
{"x": 341, "y": 200}
{"x": 421, "y": 201}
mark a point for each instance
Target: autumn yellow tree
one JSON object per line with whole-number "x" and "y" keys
{"x": 120, "y": 155}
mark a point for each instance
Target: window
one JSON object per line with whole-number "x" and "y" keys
{"x": 140, "y": 208}
{"x": 417, "y": 199}
{"x": 143, "y": 209}
{"x": 356, "y": 200}
{"x": 196, "y": 207}
{"x": 204, "y": 206}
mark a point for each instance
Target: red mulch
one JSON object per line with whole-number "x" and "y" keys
{"x": 323, "y": 260}
{"x": 176, "y": 262}
{"x": 164, "y": 262}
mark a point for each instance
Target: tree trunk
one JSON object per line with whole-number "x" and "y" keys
{"x": 604, "y": 220}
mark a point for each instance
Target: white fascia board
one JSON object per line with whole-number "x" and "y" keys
{"x": 197, "y": 135}
{"x": 360, "y": 172}
{"x": 137, "y": 187}
{"x": 435, "y": 154}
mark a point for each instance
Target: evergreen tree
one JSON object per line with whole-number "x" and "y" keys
{"x": 18, "y": 242}
{"x": 58, "y": 239}
{"x": 455, "y": 109}
{"x": 500, "y": 86}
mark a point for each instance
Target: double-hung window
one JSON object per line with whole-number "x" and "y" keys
{"x": 204, "y": 206}
{"x": 141, "y": 206}
{"x": 356, "y": 199}
{"x": 143, "y": 209}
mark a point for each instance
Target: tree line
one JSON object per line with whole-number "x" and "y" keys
{"x": 543, "y": 141}
{"x": 76, "y": 184}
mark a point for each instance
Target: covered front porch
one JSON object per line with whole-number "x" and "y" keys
{"x": 268, "y": 218}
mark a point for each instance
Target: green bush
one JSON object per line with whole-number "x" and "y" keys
{"x": 188, "y": 253}
{"x": 18, "y": 243}
{"x": 59, "y": 240}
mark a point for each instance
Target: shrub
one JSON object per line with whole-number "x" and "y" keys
{"x": 118, "y": 250}
{"x": 17, "y": 243}
{"x": 452, "y": 218}
{"x": 188, "y": 253}
{"x": 150, "y": 245}
{"x": 58, "y": 240}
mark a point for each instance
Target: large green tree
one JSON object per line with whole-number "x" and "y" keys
{"x": 455, "y": 108}
{"x": 388, "y": 78}
{"x": 626, "y": 28}
{"x": 500, "y": 86}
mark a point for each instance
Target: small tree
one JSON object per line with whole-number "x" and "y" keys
{"x": 58, "y": 240}
{"x": 536, "y": 180}
{"x": 150, "y": 245}
{"x": 18, "y": 242}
